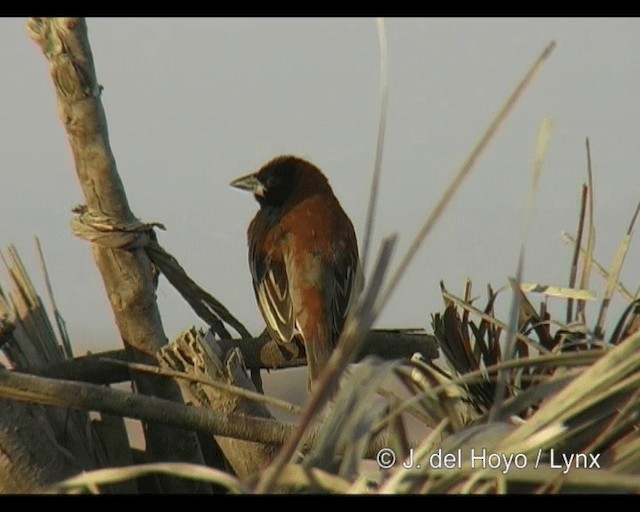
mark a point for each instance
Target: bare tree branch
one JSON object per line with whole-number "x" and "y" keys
{"x": 260, "y": 352}
{"x": 91, "y": 397}
{"x": 76, "y": 395}
{"x": 124, "y": 266}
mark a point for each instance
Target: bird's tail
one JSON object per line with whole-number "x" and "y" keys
{"x": 317, "y": 356}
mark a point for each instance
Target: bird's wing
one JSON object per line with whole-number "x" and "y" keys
{"x": 272, "y": 292}
{"x": 321, "y": 287}
{"x": 340, "y": 286}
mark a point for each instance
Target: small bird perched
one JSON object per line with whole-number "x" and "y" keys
{"x": 303, "y": 256}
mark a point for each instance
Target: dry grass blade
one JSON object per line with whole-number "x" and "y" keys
{"x": 377, "y": 166}
{"x": 558, "y": 291}
{"x": 353, "y": 419}
{"x": 613, "y": 430}
{"x": 598, "y": 267}
{"x": 436, "y": 393}
{"x": 576, "y": 250}
{"x": 462, "y": 173}
{"x": 614, "y": 274}
{"x": 413, "y": 411}
{"x": 627, "y": 455}
{"x": 401, "y": 479}
{"x": 518, "y": 404}
{"x": 606, "y": 397}
{"x": 568, "y": 359}
{"x": 539, "y": 158}
{"x": 611, "y": 368}
{"x": 535, "y": 365}
{"x": 542, "y": 143}
{"x": 591, "y": 237}
{"x": 92, "y": 480}
{"x": 462, "y": 443}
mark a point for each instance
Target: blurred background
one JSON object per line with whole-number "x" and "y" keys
{"x": 193, "y": 103}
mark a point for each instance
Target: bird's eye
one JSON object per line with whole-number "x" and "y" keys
{"x": 271, "y": 181}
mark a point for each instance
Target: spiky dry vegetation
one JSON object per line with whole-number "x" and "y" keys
{"x": 567, "y": 421}
{"x": 535, "y": 404}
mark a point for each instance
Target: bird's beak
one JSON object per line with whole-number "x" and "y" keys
{"x": 249, "y": 183}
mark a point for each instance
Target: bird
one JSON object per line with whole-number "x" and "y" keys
{"x": 303, "y": 256}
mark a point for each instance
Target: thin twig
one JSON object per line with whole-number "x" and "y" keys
{"x": 513, "y": 328}
{"x": 205, "y": 305}
{"x": 60, "y": 323}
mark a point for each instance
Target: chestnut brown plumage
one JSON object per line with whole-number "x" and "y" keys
{"x": 303, "y": 256}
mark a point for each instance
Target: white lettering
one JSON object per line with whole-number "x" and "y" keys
{"x": 478, "y": 460}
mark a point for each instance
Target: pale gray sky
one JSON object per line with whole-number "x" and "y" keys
{"x": 194, "y": 103}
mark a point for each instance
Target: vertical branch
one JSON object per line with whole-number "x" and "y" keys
{"x": 127, "y": 274}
